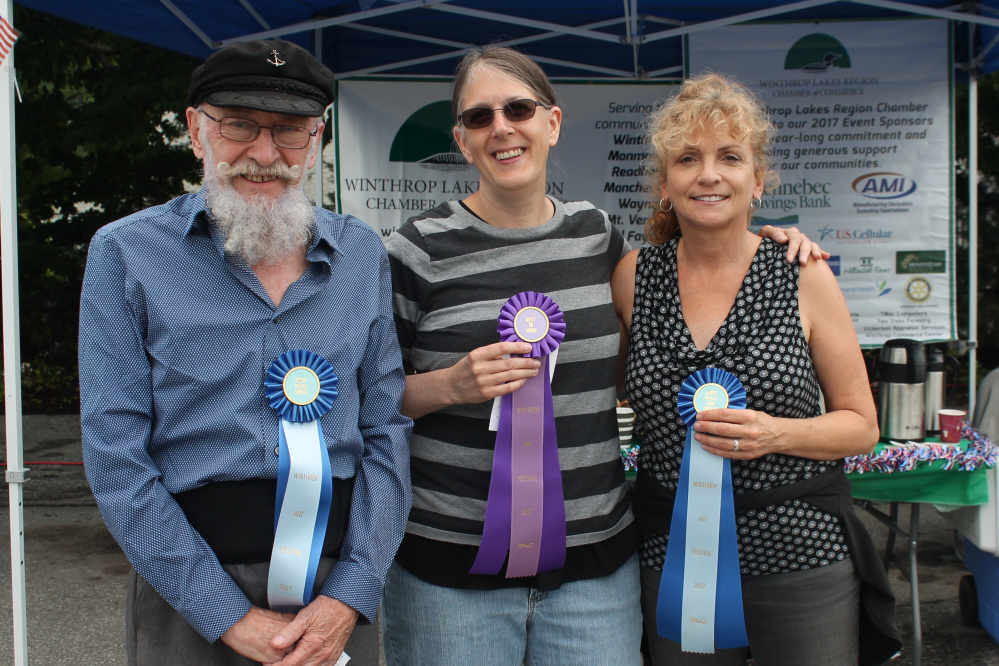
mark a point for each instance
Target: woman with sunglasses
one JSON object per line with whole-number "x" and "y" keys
{"x": 453, "y": 269}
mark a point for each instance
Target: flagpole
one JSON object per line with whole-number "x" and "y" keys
{"x": 16, "y": 474}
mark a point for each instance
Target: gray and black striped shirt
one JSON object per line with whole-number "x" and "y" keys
{"x": 452, "y": 272}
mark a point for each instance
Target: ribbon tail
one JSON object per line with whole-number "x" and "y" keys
{"x": 527, "y": 478}
{"x": 298, "y": 540}
{"x": 730, "y": 621}
{"x": 322, "y": 519}
{"x": 496, "y": 529}
{"x": 553, "y": 537}
{"x": 284, "y": 470}
{"x": 669, "y": 607}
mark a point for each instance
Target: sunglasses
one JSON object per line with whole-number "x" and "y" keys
{"x": 480, "y": 117}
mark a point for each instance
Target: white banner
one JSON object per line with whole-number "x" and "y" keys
{"x": 865, "y": 154}
{"x": 396, "y": 157}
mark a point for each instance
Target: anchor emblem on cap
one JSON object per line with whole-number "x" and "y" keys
{"x": 277, "y": 62}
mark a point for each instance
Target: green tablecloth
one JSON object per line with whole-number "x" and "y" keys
{"x": 928, "y": 483}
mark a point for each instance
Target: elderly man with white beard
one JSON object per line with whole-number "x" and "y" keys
{"x": 240, "y": 381}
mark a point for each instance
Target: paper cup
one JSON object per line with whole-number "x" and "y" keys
{"x": 950, "y": 425}
{"x": 625, "y": 423}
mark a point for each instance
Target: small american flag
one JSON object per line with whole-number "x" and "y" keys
{"x": 7, "y": 38}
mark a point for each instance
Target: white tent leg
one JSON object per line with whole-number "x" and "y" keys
{"x": 972, "y": 230}
{"x": 16, "y": 474}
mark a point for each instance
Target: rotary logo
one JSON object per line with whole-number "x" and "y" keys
{"x": 918, "y": 290}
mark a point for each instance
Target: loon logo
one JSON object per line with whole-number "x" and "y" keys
{"x": 884, "y": 185}
{"x": 425, "y": 138}
{"x": 817, "y": 52}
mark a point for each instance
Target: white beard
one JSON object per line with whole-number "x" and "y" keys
{"x": 259, "y": 229}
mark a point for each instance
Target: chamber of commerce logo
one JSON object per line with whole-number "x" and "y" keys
{"x": 817, "y": 52}
{"x": 884, "y": 185}
{"x": 918, "y": 290}
{"x": 425, "y": 138}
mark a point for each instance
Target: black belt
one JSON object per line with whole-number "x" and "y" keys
{"x": 236, "y": 518}
{"x": 654, "y": 503}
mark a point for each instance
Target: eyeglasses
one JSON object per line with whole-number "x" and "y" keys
{"x": 243, "y": 130}
{"x": 519, "y": 110}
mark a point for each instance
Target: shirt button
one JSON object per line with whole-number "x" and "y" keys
{"x": 277, "y": 319}
{"x": 277, "y": 450}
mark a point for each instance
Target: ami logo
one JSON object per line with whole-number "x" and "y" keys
{"x": 884, "y": 185}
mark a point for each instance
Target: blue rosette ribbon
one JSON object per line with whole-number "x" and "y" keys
{"x": 301, "y": 386}
{"x": 525, "y": 510}
{"x": 700, "y": 594}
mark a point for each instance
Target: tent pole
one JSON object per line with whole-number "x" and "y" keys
{"x": 972, "y": 222}
{"x": 16, "y": 474}
{"x": 318, "y": 48}
{"x": 633, "y": 35}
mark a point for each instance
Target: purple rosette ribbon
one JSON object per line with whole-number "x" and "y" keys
{"x": 525, "y": 512}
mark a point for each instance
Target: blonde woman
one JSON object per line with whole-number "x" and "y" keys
{"x": 711, "y": 294}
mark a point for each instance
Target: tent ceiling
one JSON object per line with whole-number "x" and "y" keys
{"x": 571, "y": 38}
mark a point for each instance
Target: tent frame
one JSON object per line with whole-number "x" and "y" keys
{"x": 633, "y": 21}
{"x": 16, "y": 474}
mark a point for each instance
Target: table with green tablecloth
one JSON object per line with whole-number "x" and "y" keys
{"x": 927, "y": 483}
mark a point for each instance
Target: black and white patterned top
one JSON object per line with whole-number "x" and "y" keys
{"x": 761, "y": 343}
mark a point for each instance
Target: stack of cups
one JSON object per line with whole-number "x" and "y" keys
{"x": 625, "y": 425}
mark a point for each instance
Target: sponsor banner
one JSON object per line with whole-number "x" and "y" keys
{"x": 864, "y": 152}
{"x": 396, "y": 156}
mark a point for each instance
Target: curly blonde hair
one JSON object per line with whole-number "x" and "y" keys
{"x": 704, "y": 103}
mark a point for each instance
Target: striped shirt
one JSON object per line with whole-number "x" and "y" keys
{"x": 452, "y": 272}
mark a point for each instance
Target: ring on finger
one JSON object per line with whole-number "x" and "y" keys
{"x": 735, "y": 445}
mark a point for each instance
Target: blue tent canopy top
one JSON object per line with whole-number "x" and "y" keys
{"x": 571, "y": 38}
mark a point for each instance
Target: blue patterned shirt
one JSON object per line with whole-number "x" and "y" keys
{"x": 174, "y": 341}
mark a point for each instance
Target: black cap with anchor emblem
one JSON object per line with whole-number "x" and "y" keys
{"x": 266, "y": 75}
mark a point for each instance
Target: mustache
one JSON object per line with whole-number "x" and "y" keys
{"x": 249, "y": 168}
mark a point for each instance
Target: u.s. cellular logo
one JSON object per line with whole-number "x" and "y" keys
{"x": 884, "y": 185}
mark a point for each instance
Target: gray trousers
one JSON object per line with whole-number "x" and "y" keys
{"x": 802, "y": 617}
{"x": 157, "y": 635}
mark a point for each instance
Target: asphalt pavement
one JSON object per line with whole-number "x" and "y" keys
{"x": 77, "y": 575}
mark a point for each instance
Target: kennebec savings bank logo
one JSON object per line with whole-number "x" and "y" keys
{"x": 425, "y": 139}
{"x": 817, "y": 52}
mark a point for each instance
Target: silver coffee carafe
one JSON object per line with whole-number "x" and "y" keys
{"x": 935, "y": 387}
{"x": 902, "y": 391}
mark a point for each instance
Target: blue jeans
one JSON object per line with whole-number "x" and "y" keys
{"x": 585, "y": 622}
